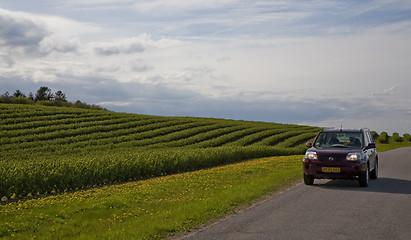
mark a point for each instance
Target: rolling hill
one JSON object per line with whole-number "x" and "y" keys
{"x": 46, "y": 149}
{"x": 52, "y": 149}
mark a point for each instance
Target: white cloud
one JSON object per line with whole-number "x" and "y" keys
{"x": 116, "y": 103}
{"x": 386, "y": 92}
{"x": 42, "y": 76}
{"x": 34, "y": 47}
{"x": 179, "y": 6}
{"x": 122, "y": 46}
{"x": 55, "y": 43}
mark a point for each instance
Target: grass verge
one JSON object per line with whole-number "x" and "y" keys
{"x": 148, "y": 209}
{"x": 386, "y": 147}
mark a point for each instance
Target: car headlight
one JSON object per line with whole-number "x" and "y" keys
{"x": 355, "y": 156}
{"x": 311, "y": 156}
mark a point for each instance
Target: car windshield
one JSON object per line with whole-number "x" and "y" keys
{"x": 339, "y": 139}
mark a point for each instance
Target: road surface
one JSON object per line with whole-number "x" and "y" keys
{"x": 329, "y": 209}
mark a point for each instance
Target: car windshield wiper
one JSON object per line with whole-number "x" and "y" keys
{"x": 340, "y": 146}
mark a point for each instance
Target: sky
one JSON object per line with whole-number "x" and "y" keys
{"x": 310, "y": 62}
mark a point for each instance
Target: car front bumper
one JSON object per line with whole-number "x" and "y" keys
{"x": 333, "y": 170}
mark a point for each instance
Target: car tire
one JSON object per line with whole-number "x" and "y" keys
{"x": 364, "y": 178}
{"x": 308, "y": 179}
{"x": 374, "y": 172}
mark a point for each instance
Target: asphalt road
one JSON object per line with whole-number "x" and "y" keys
{"x": 330, "y": 209}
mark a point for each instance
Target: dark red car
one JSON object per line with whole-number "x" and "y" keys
{"x": 341, "y": 153}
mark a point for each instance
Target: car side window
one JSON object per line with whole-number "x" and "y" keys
{"x": 371, "y": 138}
{"x": 366, "y": 138}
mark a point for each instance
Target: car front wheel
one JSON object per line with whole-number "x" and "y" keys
{"x": 374, "y": 172}
{"x": 364, "y": 177}
{"x": 308, "y": 179}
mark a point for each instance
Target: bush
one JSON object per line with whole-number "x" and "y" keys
{"x": 21, "y": 100}
{"x": 396, "y": 138}
{"x": 375, "y": 136}
{"x": 5, "y": 99}
{"x": 79, "y": 104}
{"x": 383, "y": 138}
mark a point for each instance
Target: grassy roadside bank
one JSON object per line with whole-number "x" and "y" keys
{"x": 386, "y": 147}
{"x": 149, "y": 209}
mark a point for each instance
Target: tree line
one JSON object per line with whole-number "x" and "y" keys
{"x": 44, "y": 96}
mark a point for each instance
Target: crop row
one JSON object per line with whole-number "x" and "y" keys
{"x": 34, "y": 123}
{"x": 161, "y": 134}
{"x": 67, "y": 172}
{"x": 139, "y": 131}
{"x": 64, "y": 131}
{"x": 62, "y": 125}
{"x": 26, "y": 123}
{"x": 20, "y": 117}
{"x": 77, "y": 137}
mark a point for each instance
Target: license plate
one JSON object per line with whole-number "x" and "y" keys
{"x": 331, "y": 169}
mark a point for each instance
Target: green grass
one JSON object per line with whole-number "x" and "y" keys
{"x": 386, "y": 147}
{"x": 147, "y": 209}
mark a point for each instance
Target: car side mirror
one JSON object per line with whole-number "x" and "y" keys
{"x": 309, "y": 144}
{"x": 370, "y": 146}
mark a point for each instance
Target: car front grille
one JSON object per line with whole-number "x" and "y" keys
{"x": 332, "y": 158}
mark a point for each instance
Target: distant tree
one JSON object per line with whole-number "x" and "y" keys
{"x": 60, "y": 96}
{"x": 31, "y": 97}
{"x": 44, "y": 93}
{"x": 18, "y": 93}
{"x": 79, "y": 104}
{"x": 45, "y": 97}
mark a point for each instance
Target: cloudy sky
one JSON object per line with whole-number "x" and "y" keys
{"x": 316, "y": 62}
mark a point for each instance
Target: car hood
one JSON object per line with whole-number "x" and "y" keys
{"x": 334, "y": 150}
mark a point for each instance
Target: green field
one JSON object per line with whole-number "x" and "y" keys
{"x": 56, "y": 149}
{"x": 93, "y": 174}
